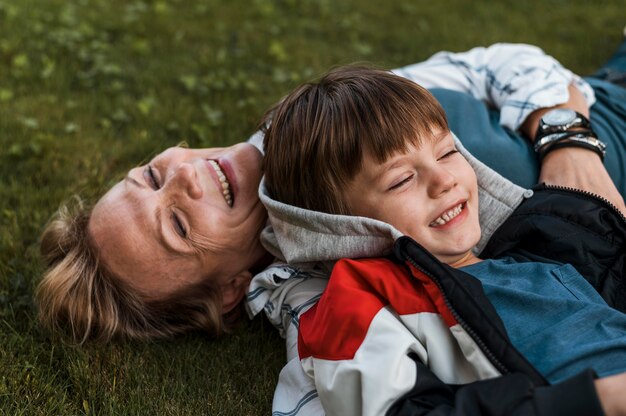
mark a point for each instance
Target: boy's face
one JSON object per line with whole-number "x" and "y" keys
{"x": 428, "y": 193}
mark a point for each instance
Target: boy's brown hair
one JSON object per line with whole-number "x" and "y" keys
{"x": 316, "y": 137}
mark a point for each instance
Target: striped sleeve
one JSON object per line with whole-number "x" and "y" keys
{"x": 514, "y": 78}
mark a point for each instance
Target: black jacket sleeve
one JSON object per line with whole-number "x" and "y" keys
{"x": 508, "y": 395}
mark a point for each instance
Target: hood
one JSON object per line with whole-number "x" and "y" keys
{"x": 303, "y": 237}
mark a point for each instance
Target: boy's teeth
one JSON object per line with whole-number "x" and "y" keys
{"x": 225, "y": 185}
{"x": 447, "y": 216}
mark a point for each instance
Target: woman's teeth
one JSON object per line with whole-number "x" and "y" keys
{"x": 447, "y": 216}
{"x": 224, "y": 182}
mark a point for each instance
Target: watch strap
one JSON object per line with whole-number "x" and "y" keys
{"x": 572, "y": 140}
{"x": 553, "y": 137}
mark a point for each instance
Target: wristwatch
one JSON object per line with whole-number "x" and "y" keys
{"x": 563, "y": 127}
{"x": 561, "y": 120}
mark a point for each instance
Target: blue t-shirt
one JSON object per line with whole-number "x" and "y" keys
{"x": 554, "y": 317}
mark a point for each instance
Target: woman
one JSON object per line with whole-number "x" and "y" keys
{"x": 172, "y": 247}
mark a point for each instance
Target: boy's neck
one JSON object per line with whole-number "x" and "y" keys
{"x": 466, "y": 260}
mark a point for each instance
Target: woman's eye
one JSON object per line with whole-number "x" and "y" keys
{"x": 152, "y": 178}
{"x": 402, "y": 182}
{"x": 179, "y": 226}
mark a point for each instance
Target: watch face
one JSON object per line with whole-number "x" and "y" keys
{"x": 559, "y": 117}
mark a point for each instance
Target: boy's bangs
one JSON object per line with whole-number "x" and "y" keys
{"x": 415, "y": 116}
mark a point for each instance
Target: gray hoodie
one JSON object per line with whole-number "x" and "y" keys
{"x": 301, "y": 237}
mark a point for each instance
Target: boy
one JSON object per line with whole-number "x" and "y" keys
{"x": 419, "y": 335}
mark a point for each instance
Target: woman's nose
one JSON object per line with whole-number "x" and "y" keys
{"x": 185, "y": 179}
{"x": 441, "y": 181}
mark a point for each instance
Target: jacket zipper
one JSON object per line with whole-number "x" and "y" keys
{"x": 490, "y": 355}
{"x": 592, "y": 196}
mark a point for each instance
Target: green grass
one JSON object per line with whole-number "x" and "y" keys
{"x": 88, "y": 88}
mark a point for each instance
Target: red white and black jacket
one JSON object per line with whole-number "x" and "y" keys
{"x": 408, "y": 335}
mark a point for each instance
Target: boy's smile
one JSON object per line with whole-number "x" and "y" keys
{"x": 428, "y": 193}
{"x": 450, "y": 216}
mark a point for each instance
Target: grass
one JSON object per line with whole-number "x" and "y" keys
{"x": 88, "y": 88}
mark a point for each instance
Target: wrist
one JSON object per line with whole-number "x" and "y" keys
{"x": 574, "y": 156}
{"x": 576, "y": 102}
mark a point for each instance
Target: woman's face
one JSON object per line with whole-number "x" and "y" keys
{"x": 186, "y": 216}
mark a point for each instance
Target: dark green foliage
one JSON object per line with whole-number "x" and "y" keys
{"x": 89, "y": 88}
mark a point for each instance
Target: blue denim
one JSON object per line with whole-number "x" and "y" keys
{"x": 614, "y": 70}
{"x": 554, "y": 317}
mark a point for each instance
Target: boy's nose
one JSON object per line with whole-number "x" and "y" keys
{"x": 185, "y": 179}
{"x": 441, "y": 181}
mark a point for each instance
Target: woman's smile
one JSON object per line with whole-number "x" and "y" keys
{"x": 222, "y": 182}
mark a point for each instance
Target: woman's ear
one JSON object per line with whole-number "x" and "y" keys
{"x": 234, "y": 290}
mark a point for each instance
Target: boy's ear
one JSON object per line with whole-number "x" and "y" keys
{"x": 234, "y": 290}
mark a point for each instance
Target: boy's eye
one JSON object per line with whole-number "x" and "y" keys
{"x": 402, "y": 182}
{"x": 450, "y": 153}
{"x": 179, "y": 226}
{"x": 151, "y": 176}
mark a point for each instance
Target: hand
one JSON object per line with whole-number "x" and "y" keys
{"x": 581, "y": 169}
{"x": 611, "y": 394}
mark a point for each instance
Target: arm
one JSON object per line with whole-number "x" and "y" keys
{"x": 516, "y": 79}
{"x": 565, "y": 398}
{"x": 511, "y": 394}
{"x": 574, "y": 167}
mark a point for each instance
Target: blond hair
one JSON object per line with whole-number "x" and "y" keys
{"x": 80, "y": 299}
{"x": 316, "y": 137}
